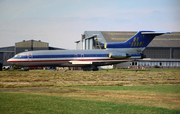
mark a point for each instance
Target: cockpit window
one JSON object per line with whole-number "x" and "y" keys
{"x": 18, "y": 56}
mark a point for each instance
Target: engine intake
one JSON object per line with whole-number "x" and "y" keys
{"x": 119, "y": 55}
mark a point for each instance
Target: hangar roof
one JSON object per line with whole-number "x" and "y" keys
{"x": 33, "y": 43}
{"x": 166, "y": 40}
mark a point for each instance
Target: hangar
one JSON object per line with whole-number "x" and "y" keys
{"x": 163, "y": 51}
{"x": 29, "y": 45}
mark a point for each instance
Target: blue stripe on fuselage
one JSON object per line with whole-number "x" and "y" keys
{"x": 68, "y": 56}
{"x": 63, "y": 56}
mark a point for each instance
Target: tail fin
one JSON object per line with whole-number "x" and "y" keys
{"x": 137, "y": 43}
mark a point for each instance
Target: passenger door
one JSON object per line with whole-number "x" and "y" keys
{"x": 29, "y": 56}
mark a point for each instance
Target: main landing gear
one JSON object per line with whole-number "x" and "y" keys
{"x": 90, "y": 68}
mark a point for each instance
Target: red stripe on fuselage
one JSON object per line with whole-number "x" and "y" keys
{"x": 67, "y": 60}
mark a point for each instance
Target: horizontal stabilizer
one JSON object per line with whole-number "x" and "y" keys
{"x": 157, "y": 32}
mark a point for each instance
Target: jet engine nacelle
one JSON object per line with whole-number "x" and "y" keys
{"x": 119, "y": 55}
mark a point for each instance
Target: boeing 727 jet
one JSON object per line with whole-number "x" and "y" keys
{"x": 113, "y": 53}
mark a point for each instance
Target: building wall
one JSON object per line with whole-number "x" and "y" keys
{"x": 11, "y": 48}
{"x": 162, "y": 52}
{"x": 153, "y": 64}
{"x": 176, "y": 53}
{"x": 79, "y": 47}
{"x": 31, "y": 45}
{"x": 24, "y": 44}
{"x": 6, "y": 53}
{"x": 1, "y": 57}
{"x": 6, "y": 56}
{"x": 40, "y": 48}
{"x": 98, "y": 42}
{"x": 89, "y": 44}
{"x": 22, "y": 49}
{"x": 157, "y": 52}
{"x": 38, "y": 44}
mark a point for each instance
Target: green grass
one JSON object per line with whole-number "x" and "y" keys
{"x": 27, "y": 103}
{"x": 154, "y": 88}
{"x": 115, "y": 91}
{"x": 100, "y": 78}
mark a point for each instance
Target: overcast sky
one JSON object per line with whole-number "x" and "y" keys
{"x": 61, "y": 22}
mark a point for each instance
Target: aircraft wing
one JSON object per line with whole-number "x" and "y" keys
{"x": 80, "y": 62}
{"x": 87, "y": 62}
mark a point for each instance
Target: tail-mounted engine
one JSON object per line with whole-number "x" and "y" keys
{"x": 119, "y": 55}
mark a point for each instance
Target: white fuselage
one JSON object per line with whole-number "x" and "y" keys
{"x": 68, "y": 58}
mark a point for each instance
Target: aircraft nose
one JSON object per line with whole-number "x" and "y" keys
{"x": 9, "y": 60}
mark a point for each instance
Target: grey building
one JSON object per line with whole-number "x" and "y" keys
{"x": 163, "y": 51}
{"x": 5, "y": 54}
{"x": 30, "y": 45}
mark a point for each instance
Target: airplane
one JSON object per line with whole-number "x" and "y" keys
{"x": 113, "y": 53}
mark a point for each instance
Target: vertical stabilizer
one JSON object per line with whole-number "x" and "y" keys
{"x": 137, "y": 43}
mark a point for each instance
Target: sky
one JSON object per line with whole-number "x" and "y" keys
{"x": 61, "y": 22}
